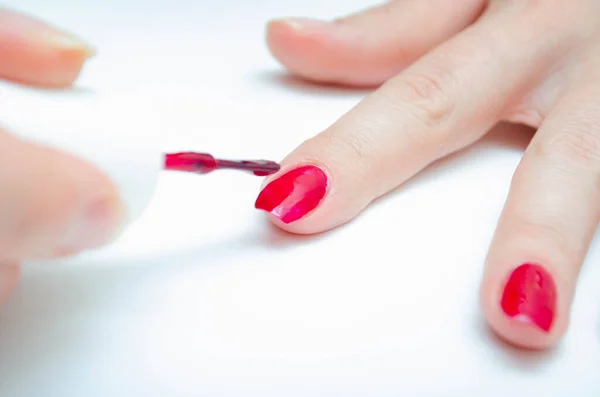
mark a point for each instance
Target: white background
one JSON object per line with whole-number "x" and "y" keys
{"x": 203, "y": 298}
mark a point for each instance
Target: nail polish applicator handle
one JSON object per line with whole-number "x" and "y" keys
{"x": 120, "y": 134}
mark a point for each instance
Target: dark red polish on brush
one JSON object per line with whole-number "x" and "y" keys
{"x": 294, "y": 194}
{"x": 203, "y": 163}
{"x": 530, "y": 295}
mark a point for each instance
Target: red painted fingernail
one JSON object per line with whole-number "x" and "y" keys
{"x": 530, "y": 296}
{"x": 294, "y": 194}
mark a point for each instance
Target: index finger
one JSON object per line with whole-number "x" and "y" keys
{"x": 36, "y": 53}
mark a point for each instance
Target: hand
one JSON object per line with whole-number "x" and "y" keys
{"x": 450, "y": 70}
{"x": 52, "y": 204}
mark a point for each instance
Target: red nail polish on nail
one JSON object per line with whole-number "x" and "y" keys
{"x": 294, "y": 194}
{"x": 530, "y": 295}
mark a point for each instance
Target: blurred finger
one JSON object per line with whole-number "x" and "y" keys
{"x": 371, "y": 46}
{"x": 9, "y": 274}
{"x": 33, "y": 52}
{"x": 52, "y": 203}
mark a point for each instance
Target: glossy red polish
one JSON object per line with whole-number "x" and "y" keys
{"x": 203, "y": 163}
{"x": 530, "y": 295}
{"x": 294, "y": 194}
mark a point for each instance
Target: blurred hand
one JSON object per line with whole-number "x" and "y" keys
{"x": 52, "y": 204}
{"x": 449, "y": 71}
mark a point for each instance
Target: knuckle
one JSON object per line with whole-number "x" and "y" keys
{"x": 537, "y": 7}
{"x": 578, "y": 143}
{"x": 355, "y": 147}
{"x": 559, "y": 19}
{"x": 353, "y": 154}
{"x": 426, "y": 95}
{"x": 548, "y": 230}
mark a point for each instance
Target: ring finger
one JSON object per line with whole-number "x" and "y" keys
{"x": 9, "y": 272}
{"x": 547, "y": 225}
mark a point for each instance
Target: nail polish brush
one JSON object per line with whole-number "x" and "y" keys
{"x": 203, "y": 163}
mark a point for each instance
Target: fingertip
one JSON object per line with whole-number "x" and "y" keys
{"x": 293, "y": 195}
{"x": 298, "y": 44}
{"x": 64, "y": 69}
{"x": 36, "y": 53}
{"x": 522, "y": 328}
{"x": 324, "y": 52}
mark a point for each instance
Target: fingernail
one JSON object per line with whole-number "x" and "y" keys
{"x": 530, "y": 296}
{"x": 68, "y": 42}
{"x": 302, "y": 23}
{"x": 40, "y": 32}
{"x": 98, "y": 225}
{"x": 294, "y": 194}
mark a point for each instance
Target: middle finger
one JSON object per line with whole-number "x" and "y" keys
{"x": 440, "y": 104}
{"x": 547, "y": 224}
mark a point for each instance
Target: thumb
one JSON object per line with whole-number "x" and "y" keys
{"x": 9, "y": 273}
{"x": 53, "y": 204}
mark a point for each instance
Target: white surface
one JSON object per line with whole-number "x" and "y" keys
{"x": 121, "y": 134}
{"x": 203, "y": 298}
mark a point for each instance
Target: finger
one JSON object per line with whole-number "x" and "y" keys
{"x": 546, "y": 226}
{"x": 9, "y": 274}
{"x": 52, "y": 203}
{"x": 443, "y": 102}
{"x": 371, "y": 46}
{"x": 35, "y": 53}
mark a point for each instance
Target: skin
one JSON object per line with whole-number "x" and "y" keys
{"x": 445, "y": 73}
{"x": 54, "y": 205}
{"x": 535, "y": 62}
